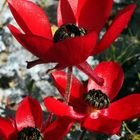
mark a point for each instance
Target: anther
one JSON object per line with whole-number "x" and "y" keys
{"x": 97, "y": 99}
{"x": 68, "y": 31}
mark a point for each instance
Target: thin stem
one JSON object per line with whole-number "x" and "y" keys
{"x": 68, "y": 86}
{"x": 126, "y": 127}
{"x": 49, "y": 120}
{"x": 82, "y": 134}
{"x": 3, "y": 5}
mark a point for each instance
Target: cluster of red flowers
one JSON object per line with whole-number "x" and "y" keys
{"x": 80, "y": 23}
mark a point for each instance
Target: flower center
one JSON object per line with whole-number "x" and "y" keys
{"x": 68, "y": 31}
{"x": 97, "y": 99}
{"x": 29, "y": 133}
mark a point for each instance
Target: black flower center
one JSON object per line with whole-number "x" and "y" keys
{"x": 97, "y": 99}
{"x": 68, "y": 31}
{"x": 29, "y": 133}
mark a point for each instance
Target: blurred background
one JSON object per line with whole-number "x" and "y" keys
{"x": 16, "y": 81}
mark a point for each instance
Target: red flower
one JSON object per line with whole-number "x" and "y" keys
{"x": 28, "y": 122}
{"x": 80, "y": 22}
{"x": 91, "y": 106}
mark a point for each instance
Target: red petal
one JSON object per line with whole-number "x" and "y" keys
{"x": 30, "y": 18}
{"x": 61, "y": 109}
{"x": 7, "y": 131}
{"x": 73, "y": 51}
{"x": 93, "y": 14}
{"x": 102, "y": 125}
{"x": 66, "y": 11}
{"x": 85, "y": 67}
{"x": 77, "y": 88}
{"x": 58, "y": 129}
{"x": 15, "y": 33}
{"x": 37, "y": 45}
{"x": 68, "y": 52}
{"x": 118, "y": 24}
{"x": 113, "y": 77}
{"x": 29, "y": 113}
{"x": 124, "y": 109}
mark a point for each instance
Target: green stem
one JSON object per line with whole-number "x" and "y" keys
{"x": 68, "y": 86}
{"x": 48, "y": 121}
{"x": 126, "y": 127}
{"x": 82, "y": 134}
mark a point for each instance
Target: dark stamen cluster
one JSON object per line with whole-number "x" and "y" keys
{"x": 68, "y": 31}
{"x": 97, "y": 99}
{"x": 29, "y": 133}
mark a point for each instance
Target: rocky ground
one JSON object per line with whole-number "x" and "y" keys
{"x": 16, "y": 81}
